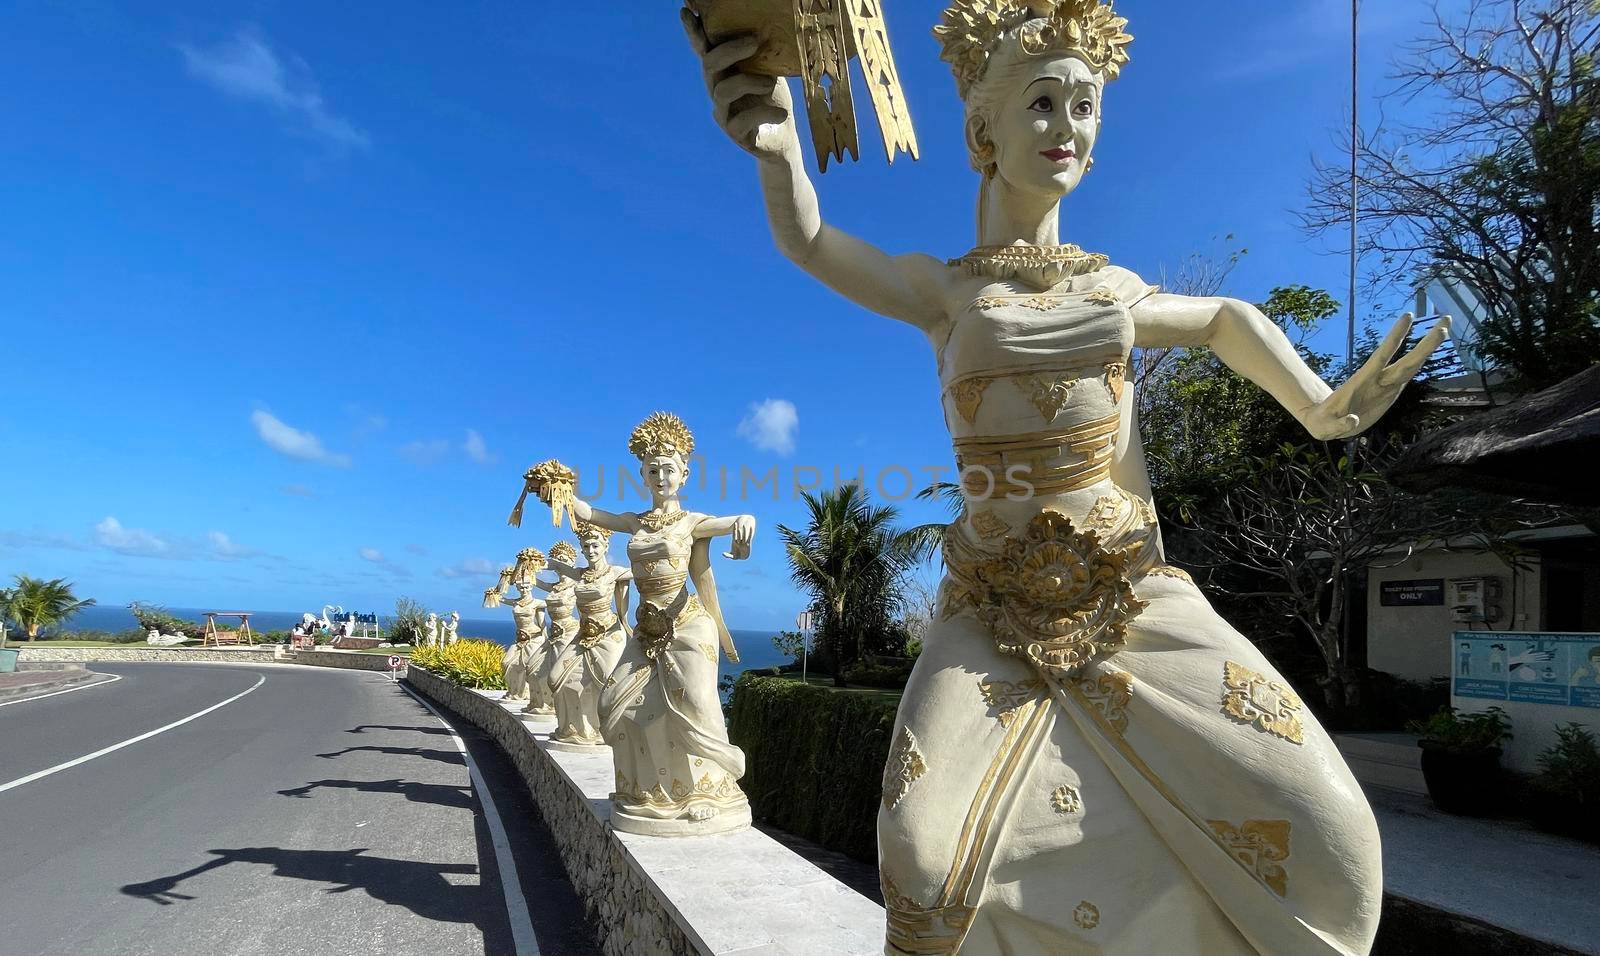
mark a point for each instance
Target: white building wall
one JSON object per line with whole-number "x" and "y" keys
{"x": 1414, "y": 642}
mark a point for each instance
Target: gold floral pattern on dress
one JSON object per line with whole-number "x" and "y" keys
{"x": 968, "y": 396}
{"x": 1048, "y": 395}
{"x": 1052, "y": 595}
{"x": 679, "y": 795}
{"x": 1251, "y": 698}
{"x": 989, "y": 525}
{"x": 1261, "y": 845}
{"x": 710, "y": 651}
{"x": 1086, "y": 915}
{"x": 904, "y": 767}
{"x": 1066, "y": 799}
{"x": 1006, "y": 696}
{"x": 1105, "y": 514}
{"x": 1109, "y": 694}
{"x": 1168, "y": 571}
{"x": 1038, "y": 303}
{"x": 1102, "y": 295}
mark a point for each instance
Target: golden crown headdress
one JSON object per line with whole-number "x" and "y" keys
{"x": 662, "y": 435}
{"x": 971, "y": 31}
{"x": 564, "y": 552}
{"x": 530, "y": 559}
{"x": 586, "y": 530}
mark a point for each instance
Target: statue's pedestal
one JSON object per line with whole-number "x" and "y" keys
{"x": 578, "y": 748}
{"x": 724, "y": 821}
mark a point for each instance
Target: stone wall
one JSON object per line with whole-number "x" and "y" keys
{"x": 260, "y": 654}
{"x": 630, "y": 920}
{"x": 733, "y": 893}
{"x": 137, "y": 652}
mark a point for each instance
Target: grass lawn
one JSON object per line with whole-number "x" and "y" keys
{"x": 826, "y": 682}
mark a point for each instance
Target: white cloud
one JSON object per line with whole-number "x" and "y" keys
{"x": 246, "y": 68}
{"x": 226, "y": 549}
{"x": 425, "y": 452}
{"x": 288, "y": 440}
{"x": 298, "y": 491}
{"x": 373, "y": 555}
{"x": 110, "y": 534}
{"x": 472, "y": 567}
{"x": 476, "y": 449}
{"x": 417, "y": 549}
{"x": 770, "y": 425}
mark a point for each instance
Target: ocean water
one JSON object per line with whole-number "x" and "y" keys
{"x": 755, "y": 647}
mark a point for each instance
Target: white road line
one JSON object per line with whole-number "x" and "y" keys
{"x": 126, "y": 743}
{"x": 28, "y": 700}
{"x": 522, "y": 935}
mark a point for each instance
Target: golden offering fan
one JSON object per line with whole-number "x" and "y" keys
{"x": 816, "y": 40}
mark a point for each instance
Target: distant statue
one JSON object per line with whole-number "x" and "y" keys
{"x": 601, "y": 592}
{"x": 451, "y": 626}
{"x": 157, "y": 639}
{"x": 430, "y": 632}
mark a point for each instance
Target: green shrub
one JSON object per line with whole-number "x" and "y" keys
{"x": 814, "y": 759}
{"x": 468, "y": 662}
{"x": 1451, "y": 730}
{"x": 889, "y": 673}
{"x": 1570, "y": 768}
{"x": 154, "y": 617}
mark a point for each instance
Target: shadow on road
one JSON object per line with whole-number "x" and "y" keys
{"x": 415, "y": 730}
{"x": 442, "y": 756}
{"x": 439, "y": 794}
{"x": 419, "y": 887}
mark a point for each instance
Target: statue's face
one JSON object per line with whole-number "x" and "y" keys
{"x": 664, "y": 476}
{"x": 1044, "y": 127}
{"x": 594, "y": 548}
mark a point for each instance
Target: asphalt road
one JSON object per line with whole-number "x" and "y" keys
{"x": 323, "y": 811}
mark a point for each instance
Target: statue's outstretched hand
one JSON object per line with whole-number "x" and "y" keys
{"x": 1358, "y": 404}
{"x": 756, "y": 112}
{"x": 744, "y": 532}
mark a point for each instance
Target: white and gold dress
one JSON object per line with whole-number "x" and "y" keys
{"x": 661, "y": 712}
{"x": 583, "y": 666}
{"x": 525, "y": 658}
{"x": 561, "y": 606}
{"x": 1088, "y": 759}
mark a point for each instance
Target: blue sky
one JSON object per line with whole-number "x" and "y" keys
{"x": 290, "y": 294}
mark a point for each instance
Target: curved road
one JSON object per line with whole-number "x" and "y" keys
{"x": 322, "y": 811}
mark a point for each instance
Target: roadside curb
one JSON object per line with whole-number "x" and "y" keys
{"x": 70, "y": 678}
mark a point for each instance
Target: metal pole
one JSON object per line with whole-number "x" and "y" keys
{"x": 1355, "y": 147}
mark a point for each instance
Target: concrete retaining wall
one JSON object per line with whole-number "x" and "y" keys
{"x": 260, "y": 654}
{"x": 734, "y": 893}
{"x": 134, "y": 652}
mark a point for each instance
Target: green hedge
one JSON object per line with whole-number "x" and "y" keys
{"x": 814, "y": 759}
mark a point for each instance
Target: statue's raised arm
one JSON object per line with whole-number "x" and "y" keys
{"x": 757, "y": 112}
{"x": 1249, "y": 343}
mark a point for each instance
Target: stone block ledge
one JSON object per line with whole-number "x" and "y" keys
{"x": 731, "y": 894}
{"x": 260, "y": 654}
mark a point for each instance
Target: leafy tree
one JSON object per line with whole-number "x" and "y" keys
{"x": 850, "y": 558}
{"x": 35, "y": 604}
{"x": 409, "y": 624}
{"x": 1498, "y": 190}
{"x": 1204, "y": 426}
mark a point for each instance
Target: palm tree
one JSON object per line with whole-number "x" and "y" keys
{"x": 36, "y": 604}
{"x": 850, "y": 559}
{"x": 927, "y": 540}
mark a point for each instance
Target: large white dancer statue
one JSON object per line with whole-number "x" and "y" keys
{"x": 1087, "y": 759}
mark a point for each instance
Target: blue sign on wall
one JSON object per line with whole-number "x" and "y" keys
{"x": 1534, "y": 667}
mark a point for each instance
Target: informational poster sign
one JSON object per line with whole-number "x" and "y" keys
{"x": 1534, "y": 667}
{"x": 1428, "y": 592}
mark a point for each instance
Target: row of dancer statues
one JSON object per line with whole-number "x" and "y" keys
{"x": 643, "y": 692}
{"x": 441, "y": 630}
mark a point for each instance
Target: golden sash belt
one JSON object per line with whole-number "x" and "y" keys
{"x": 1022, "y": 466}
